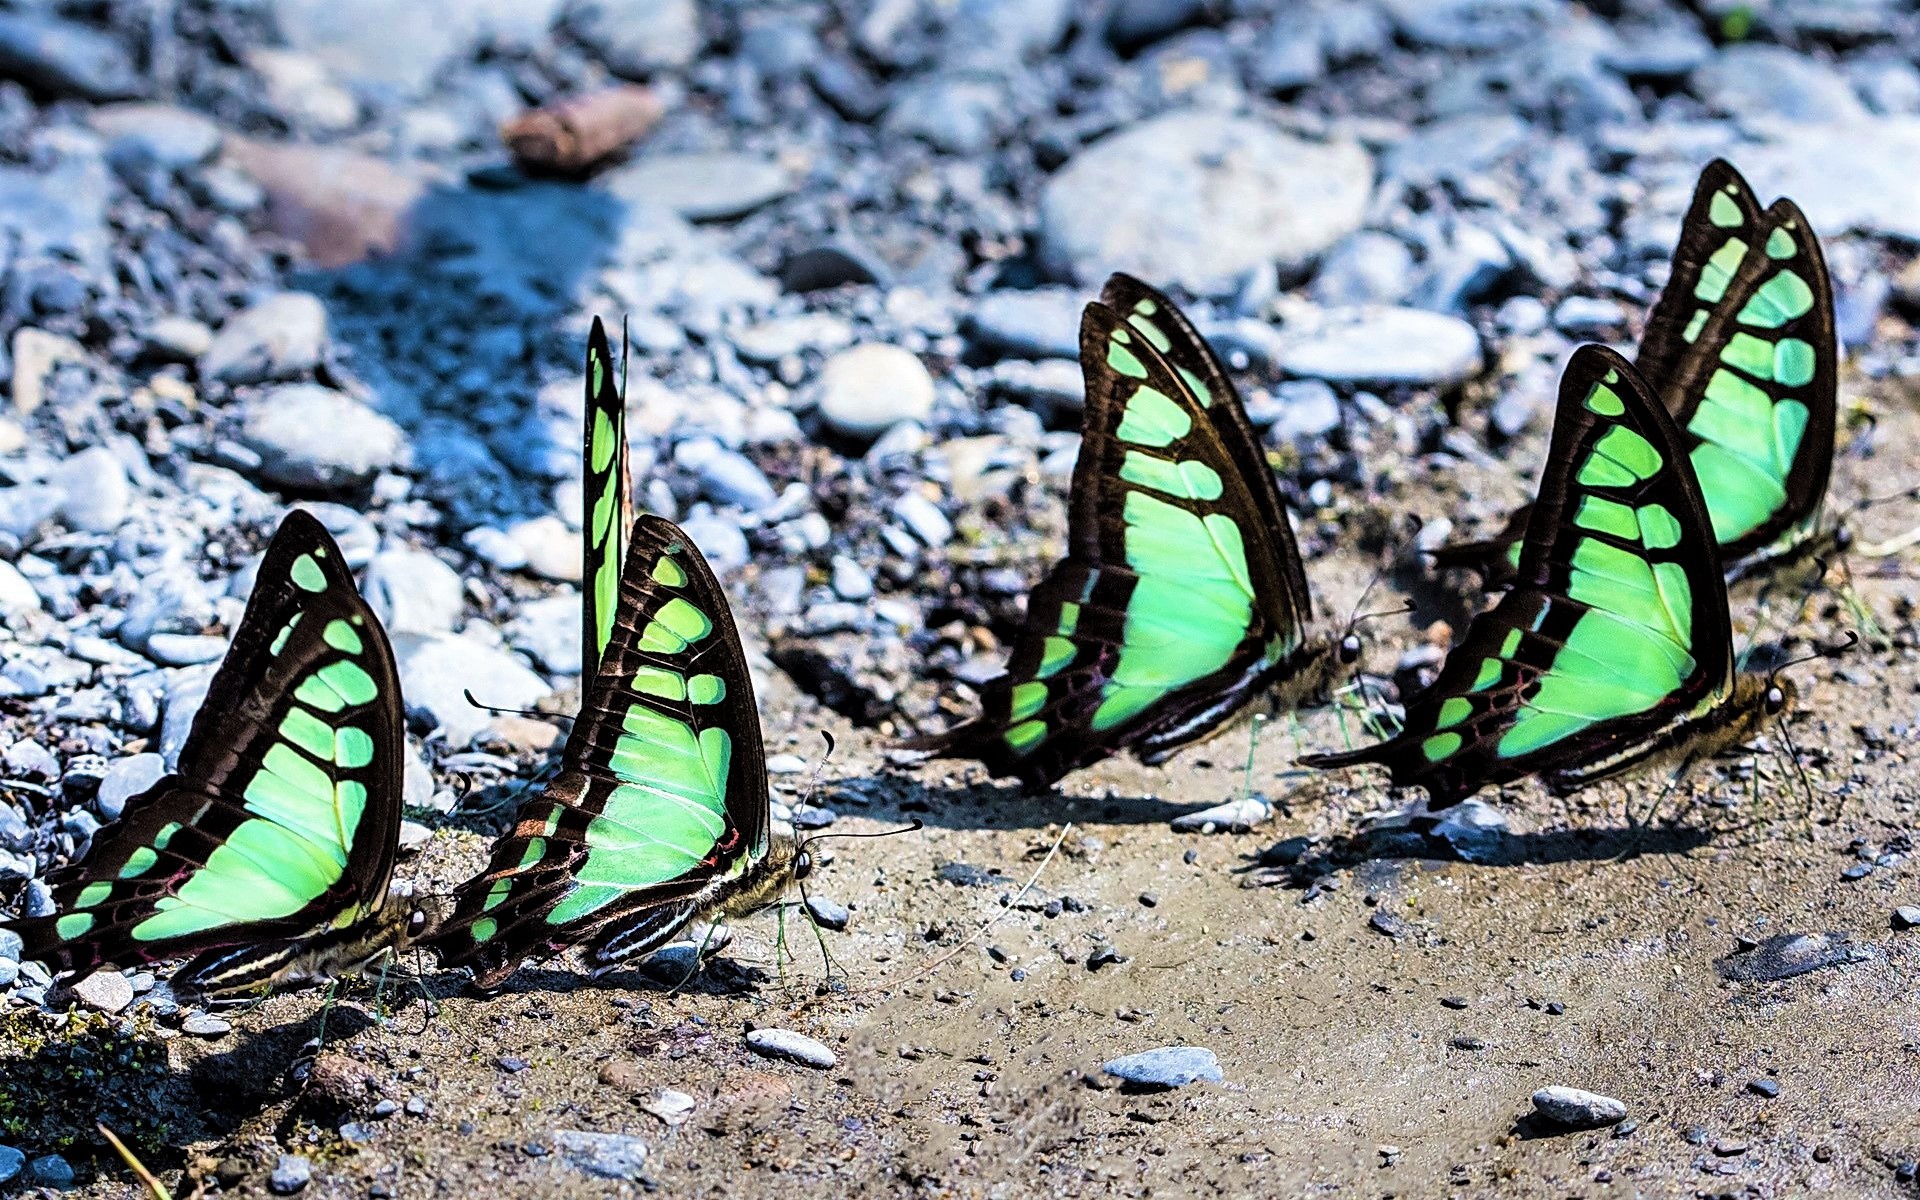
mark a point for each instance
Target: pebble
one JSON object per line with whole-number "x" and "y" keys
{"x": 636, "y": 38}
{"x": 206, "y": 1025}
{"x": 1308, "y": 410}
{"x": 126, "y": 778}
{"x": 1767, "y": 1088}
{"x": 1572, "y": 1108}
{"x": 11, "y": 1162}
{"x": 719, "y": 539}
{"x": 602, "y": 1155}
{"x": 17, "y": 596}
{"x": 1383, "y": 345}
{"x": 671, "y": 1107}
{"x": 828, "y": 914}
{"x": 923, "y": 518}
{"x": 865, "y": 390}
{"x": 702, "y": 186}
{"x": 549, "y": 629}
{"x": 412, "y": 591}
{"x": 791, "y": 1046}
{"x": 65, "y": 59}
{"x": 1847, "y": 177}
{"x": 1907, "y": 916}
{"x": 1786, "y": 955}
{"x": 50, "y": 1171}
{"x": 1197, "y": 199}
{"x": 290, "y": 1174}
{"x": 1234, "y": 816}
{"x": 308, "y": 436}
{"x": 436, "y": 672}
{"x": 279, "y": 337}
{"x": 726, "y": 476}
{"x": 104, "y": 991}
{"x": 1588, "y": 315}
{"x": 36, "y": 352}
{"x": 548, "y": 547}
{"x": 161, "y": 135}
{"x": 953, "y": 113}
{"x": 1368, "y": 267}
{"x": 1041, "y": 323}
{"x": 1166, "y": 1067}
{"x": 1753, "y": 82}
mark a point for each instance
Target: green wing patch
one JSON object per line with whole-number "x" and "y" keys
{"x": 608, "y": 497}
{"x": 1616, "y": 629}
{"x": 661, "y": 799}
{"x": 282, "y": 817}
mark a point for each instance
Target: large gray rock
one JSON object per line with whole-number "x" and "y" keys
{"x": 1042, "y": 323}
{"x": 1851, "y": 177}
{"x": 60, "y": 210}
{"x": 412, "y": 591}
{"x": 868, "y": 389}
{"x": 1197, "y": 199}
{"x": 281, "y": 336}
{"x": 403, "y": 46}
{"x": 437, "y": 671}
{"x": 1382, "y": 345}
{"x": 308, "y": 436}
{"x": 637, "y": 38}
{"x": 1754, "y": 82}
{"x": 602, "y": 1155}
{"x": 62, "y": 58}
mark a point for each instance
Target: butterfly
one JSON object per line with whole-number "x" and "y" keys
{"x": 1612, "y": 650}
{"x": 608, "y": 498}
{"x": 1742, "y": 351}
{"x": 268, "y": 851}
{"x": 1182, "y": 597}
{"x": 659, "y": 813}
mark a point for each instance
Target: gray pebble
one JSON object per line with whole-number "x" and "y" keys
{"x": 1235, "y": 816}
{"x": 64, "y": 58}
{"x": 1587, "y": 315}
{"x": 50, "y": 1171}
{"x": 206, "y": 1025}
{"x": 11, "y": 1162}
{"x": 1166, "y": 1067}
{"x": 1042, "y": 323}
{"x": 104, "y": 991}
{"x": 923, "y": 518}
{"x": 126, "y": 778}
{"x": 413, "y": 591}
{"x": 280, "y": 337}
{"x": 702, "y": 185}
{"x": 602, "y": 1155}
{"x": 308, "y": 436}
{"x": 290, "y": 1174}
{"x": 1368, "y": 267}
{"x": 719, "y": 539}
{"x": 1572, "y": 1108}
{"x": 636, "y": 38}
{"x": 1384, "y": 345}
{"x": 549, "y": 630}
{"x": 437, "y": 671}
{"x": 1907, "y": 916}
{"x": 865, "y": 390}
{"x": 828, "y": 914}
{"x": 791, "y": 1046}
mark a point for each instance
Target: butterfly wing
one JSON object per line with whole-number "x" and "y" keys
{"x": 608, "y": 497}
{"x": 1741, "y": 349}
{"x": 1616, "y": 626}
{"x": 662, "y": 792}
{"x": 1177, "y": 596}
{"x": 283, "y": 815}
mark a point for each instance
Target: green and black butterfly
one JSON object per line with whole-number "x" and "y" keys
{"x": 268, "y": 851}
{"x": 608, "y": 496}
{"x": 1742, "y": 351}
{"x": 1182, "y": 597}
{"x": 659, "y": 813}
{"x": 1612, "y": 650}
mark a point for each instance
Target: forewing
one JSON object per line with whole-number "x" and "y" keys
{"x": 1616, "y": 625}
{"x": 607, "y": 495}
{"x": 1158, "y": 621}
{"x": 662, "y": 788}
{"x": 283, "y": 815}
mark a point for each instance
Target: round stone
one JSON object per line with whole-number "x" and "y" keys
{"x": 866, "y": 390}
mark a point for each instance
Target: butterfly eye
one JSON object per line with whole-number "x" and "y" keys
{"x": 416, "y": 922}
{"x": 1350, "y": 648}
{"x": 1843, "y": 539}
{"x": 802, "y": 865}
{"x": 1776, "y": 698}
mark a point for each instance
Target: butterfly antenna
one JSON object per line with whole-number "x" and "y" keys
{"x": 533, "y": 714}
{"x": 1354, "y": 617}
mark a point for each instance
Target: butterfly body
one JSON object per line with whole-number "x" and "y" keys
{"x": 1742, "y": 351}
{"x": 1182, "y": 597}
{"x": 336, "y": 953}
{"x": 1612, "y": 651}
{"x": 273, "y": 841}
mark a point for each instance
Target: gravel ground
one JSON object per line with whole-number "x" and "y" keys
{"x": 265, "y": 253}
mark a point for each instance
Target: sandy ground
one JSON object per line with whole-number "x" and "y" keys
{"x": 1357, "y": 1062}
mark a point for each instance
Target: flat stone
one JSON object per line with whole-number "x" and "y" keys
{"x": 402, "y": 48}
{"x": 792, "y": 1047}
{"x": 437, "y": 670}
{"x": 64, "y": 58}
{"x": 1787, "y": 955}
{"x": 104, "y": 991}
{"x": 1198, "y": 199}
{"x": 636, "y": 38}
{"x": 702, "y": 185}
{"x": 1235, "y": 816}
{"x": 292, "y": 1173}
{"x": 206, "y": 1025}
{"x": 94, "y": 490}
{"x": 308, "y": 436}
{"x": 36, "y": 352}
{"x": 281, "y": 336}
{"x": 1383, "y": 345}
{"x": 1754, "y": 80}
{"x": 1907, "y": 916}
{"x": 162, "y": 135}
{"x": 1042, "y": 323}
{"x": 1847, "y": 177}
{"x": 828, "y": 914}
{"x": 602, "y": 1155}
{"x": 1573, "y": 1108}
{"x": 1166, "y": 1067}
{"x": 11, "y": 1164}
{"x": 339, "y": 205}
{"x": 17, "y": 597}
{"x": 549, "y": 630}
{"x": 412, "y": 591}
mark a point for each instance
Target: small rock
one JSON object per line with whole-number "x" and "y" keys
{"x": 50, "y": 1171}
{"x": 673, "y": 1108}
{"x": 157, "y": 135}
{"x": 126, "y": 778}
{"x": 1572, "y": 1108}
{"x": 17, "y": 597}
{"x": 719, "y": 539}
{"x": 702, "y": 186}
{"x": 178, "y": 339}
{"x": 1308, "y": 411}
{"x": 636, "y": 38}
{"x": 866, "y": 390}
{"x": 437, "y": 671}
{"x": 1042, "y": 323}
{"x": 206, "y": 1025}
{"x": 104, "y": 991}
{"x": 1768, "y": 1088}
{"x": 282, "y": 336}
{"x": 308, "y": 436}
{"x": 1234, "y": 816}
{"x": 1907, "y": 916}
{"x": 1133, "y": 24}
{"x": 1787, "y": 955}
{"x": 36, "y": 352}
{"x": 602, "y": 1155}
{"x": 828, "y": 914}
{"x": 64, "y": 58}
{"x": 850, "y": 580}
{"x": 1384, "y": 345}
{"x": 1369, "y": 267}
{"x": 791, "y": 1046}
{"x": 412, "y": 591}
{"x": 11, "y": 1162}
{"x": 1390, "y": 924}
{"x": 549, "y": 630}
{"x": 1753, "y": 80}
{"x": 1166, "y": 1068}
{"x": 1586, "y": 315}
{"x": 923, "y": 518}
{"x": 290, "y": 1174}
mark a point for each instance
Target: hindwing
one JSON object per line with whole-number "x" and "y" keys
{"x": 661, "y": 798}
{"x": 1616, "y": 627}
{"x": 1182, "y": 593}
{"x": 1742, "y": 351}
{"x": 608, "y": 498}
{"x": 282, "y": 817}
